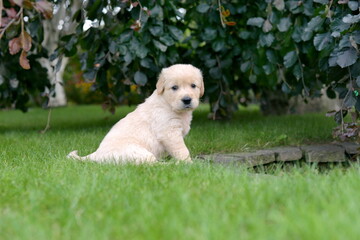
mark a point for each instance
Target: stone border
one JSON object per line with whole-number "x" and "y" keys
{"x": 334, "y": 152}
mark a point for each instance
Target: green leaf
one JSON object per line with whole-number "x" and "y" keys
{"x": 266, "y": 39}
{"x": 215, "y": 73}
{"x": 70, "y": 43}
{"x": 176, "y": 33}
{"x": 252, "y": 78}
{"x": 268, "y": 69}
{"x": 209, "y": 63}
{"x": 271, "y": 56}
{"x": 156, "y": 30}
{"x": 297, "y": 71}
{"x": 167, "y": 40}
{"x": 218, "y": 45}
{"x": 347, "y": 58}
{"x": 297, "y": 34}
{"x": 284, "y": 24}
{"x": 112, "y": 47}
{"x": 12, "y": 31}
{"x": 350, "y": 100}
{"x": 315, "y": 23}
{"x": 323, "y": 2}
{"x": 357, "y": 105}
{"x": 256, "y": 21}
{"x": 342, "y": 91}
{"x": 128, "y": 57}
{"x": 194, "y": 43}
{"x": 160, "y": 46}
{"x": 353, "y": 5}
{"x": 294, "y": 6}
{"x": 306, "y": 35}
{"x": 279, "y": 4}
{"x": 358, "y": 81}
{"x": 145, "y": 62}
{"x": 244, "y": 35}
{"x": 339, "y": 26}
{"x": 141, "y": 51}
{"x": 285, "y": 88}
{"x": 140, "y": 78}
{"x": 138, "y": 48}
{"x": 209, "y": 34}
{"x": 322, "y": 40}
{"x": 344, "y": 42}
{"x": 308, "y": 8}
{"x": 202, "y": 8}
{"x": 125, "y": 36}
{"x": 157, "y": 12}
{"x": 290, "y": 59}
{"x": 162, "y": 59}
{"x": 226, "y": 63}
{"x": 356, "y": 36}
{"x": 351, "y": 18}
{"x": 90, "y": 74}
{"x": 245, "y": 66}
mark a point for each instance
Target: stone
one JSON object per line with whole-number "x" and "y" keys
{"x": 324, "y": 153}
{"x": 284, "y": 154}
{"x": 248, "y": 159}
{"x": 351, "y": 148}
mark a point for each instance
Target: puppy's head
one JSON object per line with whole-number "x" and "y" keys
{"x": 181, "y": 85}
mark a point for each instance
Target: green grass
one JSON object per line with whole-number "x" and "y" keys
{"x": 43, "y": 195}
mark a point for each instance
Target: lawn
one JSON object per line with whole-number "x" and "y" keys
{"x": 43, "y": 195}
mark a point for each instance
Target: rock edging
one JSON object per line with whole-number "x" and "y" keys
{"x": 334, "y": 152}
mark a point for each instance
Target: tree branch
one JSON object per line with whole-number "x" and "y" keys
{"x": 221, "y": 18}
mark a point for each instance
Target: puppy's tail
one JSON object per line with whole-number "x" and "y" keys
{"x": 74, "y": 155}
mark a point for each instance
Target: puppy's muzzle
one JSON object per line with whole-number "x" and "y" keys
{"x": 186, "y": 101}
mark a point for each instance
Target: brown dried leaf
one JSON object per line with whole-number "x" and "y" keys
{"x": 45, "y": 8}
{"x": 17, "y": 2}
{"x": 25, "y": 41}
{"x": 10, "y": 12}
{"x": 14, "y": 45}
{"x": 28, "y": 4}
{"x": 24, "y": 62}
{"x": 231, "y": 23}
{"x": 5, "y": 21}
{"x": 267, "y": 26}
{"x": 331, "y": 113}
{"x": 136, "y": 26}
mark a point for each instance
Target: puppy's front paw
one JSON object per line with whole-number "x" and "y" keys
{"x": 187, "y": 161}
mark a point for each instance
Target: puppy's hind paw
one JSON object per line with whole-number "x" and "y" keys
{"x": 74, "y": 155}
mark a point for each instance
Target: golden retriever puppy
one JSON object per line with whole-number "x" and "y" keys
{"x": 157, "y": 127}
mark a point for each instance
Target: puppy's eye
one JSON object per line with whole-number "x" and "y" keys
{"x": 193, "y": 85}
{"x": 175, "y": 87}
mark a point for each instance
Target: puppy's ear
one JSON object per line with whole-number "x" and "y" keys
{"x": 202, "y": 88}
{"x": 160, "y": 85}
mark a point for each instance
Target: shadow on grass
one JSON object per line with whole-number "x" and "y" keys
{"x": 247, "y": 128}
{"x": 92, "y": 116}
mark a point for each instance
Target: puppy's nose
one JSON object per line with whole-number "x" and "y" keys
{"x": 186, "y": 100}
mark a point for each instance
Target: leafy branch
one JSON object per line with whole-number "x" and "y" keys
{"x": 23, "y": 41}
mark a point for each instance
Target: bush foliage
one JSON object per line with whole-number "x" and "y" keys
{"x": 297, "y": 47}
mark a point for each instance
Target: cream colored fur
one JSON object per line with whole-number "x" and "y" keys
{"x": 158, "y": 126}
